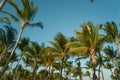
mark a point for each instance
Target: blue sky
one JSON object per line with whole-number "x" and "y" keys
{"x": 67, "y": 15}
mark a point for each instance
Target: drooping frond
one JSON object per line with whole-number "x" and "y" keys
{"x": 111, "y": 29}
{"x": 10, "y": 34}
{"x": 5, "y": 19}
{"x": 18, "y": 11}
{"x": 24, "y": 43}
{"x": 37, "y": 24}
{"x": 11, "y": 15}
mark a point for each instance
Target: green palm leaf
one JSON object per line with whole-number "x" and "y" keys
{"x": 11, "y": 15}
{"x": 37, "y": 24}
{"x": 5, "y": 19}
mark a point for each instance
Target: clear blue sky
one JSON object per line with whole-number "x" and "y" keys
{"x": 66, "y": 16}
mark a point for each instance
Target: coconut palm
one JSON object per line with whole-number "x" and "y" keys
{"x": 110, "y": 55}
{"x": 58, "y": 46}
{"x": 25, "y": 15}
{"x": 48, "y": 59}
{"x": 112, "y": 33}
{"x": 7, "y": 40}
{"x": 89, "y": 41}
{"x": 100, "y": 62}
{"x": 24, "y": 43}
{"x": 34, "y": 51}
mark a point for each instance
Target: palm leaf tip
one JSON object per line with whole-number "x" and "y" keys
{"x": 37, "y": 24}
{"x": 5, "y": 19}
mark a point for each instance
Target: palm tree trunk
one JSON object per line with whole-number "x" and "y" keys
{"x": 2, "y": 4}
{"x": 12, "y": 53}
{"x": 61, "y": 70}
{"x": 17, "y": 65}
{"x": 99, "y": 73}
{"x": 34, "y": 70}
{"x": 80, "y": 75}
{"x": 93, "y": 67}
{"x": 3, "y": 54}
{"x": 45, "y": 73}
{"x": 102, "y": 73}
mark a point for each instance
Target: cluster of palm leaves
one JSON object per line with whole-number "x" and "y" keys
{"x": 89, "y": 54}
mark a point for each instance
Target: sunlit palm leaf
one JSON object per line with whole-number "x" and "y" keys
{"x": 5, "y": 19}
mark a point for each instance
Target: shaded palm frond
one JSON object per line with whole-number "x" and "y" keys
{"x": 37, "y": 24}
{"x": 12, "y": 16}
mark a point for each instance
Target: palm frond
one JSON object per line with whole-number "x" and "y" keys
{"x": 18, "y": 11}
{"x": 11, "y": 15}
{"x": 37, "y": 24}
{"x": 10, "y": 34}
{"x": 73, "y": 44}
{"x": 5, "y": 19}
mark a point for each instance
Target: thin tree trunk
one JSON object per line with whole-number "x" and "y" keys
{"x": 17, "y": 65}
{"x": 99, "y": 73}
{"x": 34, "y": 70}
{"x": 3, "y": 54}
{"x": 61, "y": 71}
{"x": 93, "y": 67}
{"x": 12, "y": 53}
{"x": 79, "y": 70}
{"x": 102, "y": 73}
{"x": 2, "y": 4}
{"x": 44, "y": 73}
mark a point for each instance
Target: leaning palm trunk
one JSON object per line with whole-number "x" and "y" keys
{"x": 17, "y": 65}
{"x": 2, "y": 4}
{"x": 12, "y": 53}
{"x": 3, "y": 54}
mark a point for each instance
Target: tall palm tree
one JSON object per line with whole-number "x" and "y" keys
{"x": 24, "y": 43}
{"x": 7, "y": 40}
{"x": 110, "y": 56}
{"x": 35, "y": 51}
{"x": 48, "y": 58}
{"x": 112, "y": 33}
{"x": 58, "y": 46}
{"x": 89, "y": 40}
{"x": 25, "y": 15}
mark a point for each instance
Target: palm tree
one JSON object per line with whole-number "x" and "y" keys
{"x": 100, "y": 64}
{"x": 24, "y": 43}
{"x": 89, "y": 40}
{"x": 35, "y": 50}
{"x": 110, "y": 56}
{"x": 48, "y": 59}
{"x": 7, "y": 40}
{"x": 112, "y": 33}
{"x": 59, "y": 47}
{"x": 24, "y": 15}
